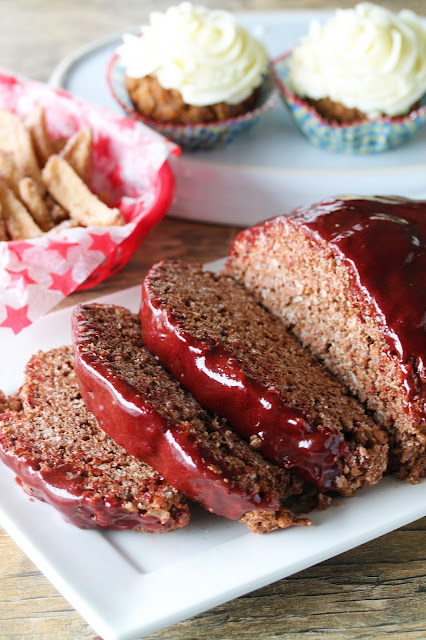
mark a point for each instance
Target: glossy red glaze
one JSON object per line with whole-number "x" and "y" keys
{"x": 63, "y": 487}
{"x": 219, "y": 382}
{"x": 171, "y": 449}
{"x": 382, "y": 241}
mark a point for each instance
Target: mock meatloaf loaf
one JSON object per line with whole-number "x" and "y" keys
{"x": 239, "y": 360}
{"x": 149, "y": 413}
{"x": 61, "y": 456}
{"x": 348, "y": 276}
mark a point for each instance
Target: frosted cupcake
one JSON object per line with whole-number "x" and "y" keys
{"x": 194, "y": 66}
{"x": 364, "y": 70}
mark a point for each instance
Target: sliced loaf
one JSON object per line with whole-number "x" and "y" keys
{"x": 147, "y": 411}
{"x": 348, "y": 277}
{"x": 61, "y": 456}
{"x": 239, "y": 360}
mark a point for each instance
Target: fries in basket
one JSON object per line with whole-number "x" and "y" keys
{"x": 43, "y": 182}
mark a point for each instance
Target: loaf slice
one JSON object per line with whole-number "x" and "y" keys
{"x": 239, "y": 360}
{"x": 61, "y": 456}
{"x": 348, "y": 276}
{"x": 147, "y": 411}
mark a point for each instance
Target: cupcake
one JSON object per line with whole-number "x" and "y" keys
{"x": 362, "y": 74}
{"x": 192, "y": 66}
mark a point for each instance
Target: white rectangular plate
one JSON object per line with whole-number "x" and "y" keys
{"x": 127, "y": 585}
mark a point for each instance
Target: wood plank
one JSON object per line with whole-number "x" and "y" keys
{"x": 374, "y": 591}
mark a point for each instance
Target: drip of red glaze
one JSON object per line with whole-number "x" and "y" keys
{"x": 218, "y": 382}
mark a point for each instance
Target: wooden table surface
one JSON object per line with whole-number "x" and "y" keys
{"x": 374, "y": 591}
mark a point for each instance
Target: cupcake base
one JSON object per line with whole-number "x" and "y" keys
{"x": 358, "y": 136}
{"x": 335, "y": 111}
{"x": 338, "y": 112}
{"x": 151, "y": 100}
{"x": 198, "y": 136}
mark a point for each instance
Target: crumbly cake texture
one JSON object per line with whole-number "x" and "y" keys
{"x": 309, "y": 282}
{"x": 166, "y": 105}
{"x": 61, "y": 456}
{"x": 335, "y": 111}
{"x": 141, "y": 405}
{"x": 213, "y": 314}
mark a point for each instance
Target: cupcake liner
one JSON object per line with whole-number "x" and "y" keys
{"x": 193, "y": 137}
{"x": 361, "y": 137}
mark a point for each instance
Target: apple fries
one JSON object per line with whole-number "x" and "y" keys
{"x": 9, "y": 172}
{"x": 16, "y": 140}
{"x": 3, "y": 232}
{"x": 77, "y": 152}
{"x": 73, "y": 195}
{"x": 43, "y": 182}
{"x": 32, "y": 197}
{"x": 18, "y": 222}
{"x": 35, "y": 122}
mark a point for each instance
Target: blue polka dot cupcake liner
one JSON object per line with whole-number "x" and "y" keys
{"x": 361, "y": 137}
{"x": 194, "y": 137}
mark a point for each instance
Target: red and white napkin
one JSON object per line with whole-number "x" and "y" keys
{"x": 128, "y": 165}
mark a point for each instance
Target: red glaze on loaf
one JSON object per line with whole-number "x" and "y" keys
{"x": 63, "y": 487}
{"x": 218, "y": 381}
{"x": 136, "y": 424}
{"x": 60, "y": 456}
{"x": 382, "y": 241}
{"x": 348, "y": 275}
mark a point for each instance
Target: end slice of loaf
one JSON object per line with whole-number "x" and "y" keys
{"x": 239, "y": 360}
{"x": 139, "y": 404}
{"x": 61, "y": 456}
{"x": 348, "y": 277}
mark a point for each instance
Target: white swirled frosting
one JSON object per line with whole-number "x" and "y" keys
{"x": 366, "y": 58}
{"x": 204, "y": 54}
